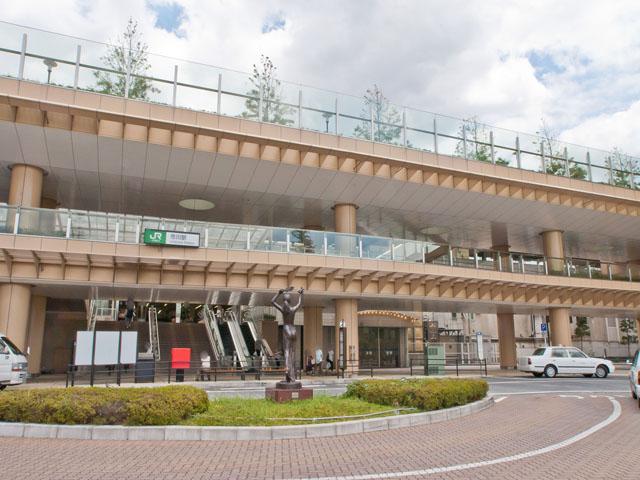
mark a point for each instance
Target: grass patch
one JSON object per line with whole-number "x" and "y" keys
{"x": 258, "y": 412}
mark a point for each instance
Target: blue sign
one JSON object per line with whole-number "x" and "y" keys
{"x": 543, "y": 327}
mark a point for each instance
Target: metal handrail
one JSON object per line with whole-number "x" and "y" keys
{"x": 428, "y": 125}
{"x": 38, "y": 221}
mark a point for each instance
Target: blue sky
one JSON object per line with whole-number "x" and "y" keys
{"x": 511, "y": 64}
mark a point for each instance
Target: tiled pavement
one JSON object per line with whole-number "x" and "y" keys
{"x": 517, "y": 424}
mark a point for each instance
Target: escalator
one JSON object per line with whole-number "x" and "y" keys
{"x": 244, "y": 357}
{"x": 227, "y": 340}
{"x": 213, "y": 332}
{"x": 249, "y": 339}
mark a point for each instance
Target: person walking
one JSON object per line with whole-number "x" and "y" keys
{"x": 330, "y": 359}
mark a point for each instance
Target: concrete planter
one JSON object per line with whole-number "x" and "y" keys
{"x": 175, "y": 432}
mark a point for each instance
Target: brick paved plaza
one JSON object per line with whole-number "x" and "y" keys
{"x": 517, "y": 424}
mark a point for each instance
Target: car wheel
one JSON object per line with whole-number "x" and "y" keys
{"x": 602, "y": 371}
{"x": 537, "y": 374}
{"x": 588, "y": 375}
{"x": 550, "y": 371}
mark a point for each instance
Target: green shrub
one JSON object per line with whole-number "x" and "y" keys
{"x": 103, "y": 406}
{"x": 424, "y": 394}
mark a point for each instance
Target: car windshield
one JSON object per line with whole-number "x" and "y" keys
{"x": 15, "y": 350}
{"x": 538, "y": 352}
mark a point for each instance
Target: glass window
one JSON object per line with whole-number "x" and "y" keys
{"x": 11, "y": 346}
{"x": 559, "y": 353}
{"x": 635, "y": 358}
{"x": 539, "y": 352}
{"x": 575, "y": 353}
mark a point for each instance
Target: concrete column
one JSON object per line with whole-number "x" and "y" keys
{"x": 553, "y": 245}
{"x": 507, "y": 341}
{"x": 345, "y": 217}
{"x": 560, "y": 326}
{"x": 347, "y": 310}
{"x": 15, "y": 302}
{"x": 312, "y": 330}
{"x": 25, "y": 188}
{"x": 36, "y": 332}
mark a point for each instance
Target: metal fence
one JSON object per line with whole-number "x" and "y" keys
{"x": 79, "y": 64}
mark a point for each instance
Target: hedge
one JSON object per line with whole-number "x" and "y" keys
{"x": 103, "y": 406}
{"x": 424, "y": 394}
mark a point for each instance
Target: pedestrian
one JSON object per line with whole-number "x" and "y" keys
{"x": 318, "y": 360}
{"x": 308, "y": 369}
{"x": 330, "y": 359}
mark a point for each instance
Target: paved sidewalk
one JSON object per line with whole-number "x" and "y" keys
{"x": 515, "y": 425}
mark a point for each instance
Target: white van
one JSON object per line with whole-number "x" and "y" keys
{"x": 13, "y": 364}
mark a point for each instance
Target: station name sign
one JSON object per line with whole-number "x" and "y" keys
{"x": 171, "y": 239}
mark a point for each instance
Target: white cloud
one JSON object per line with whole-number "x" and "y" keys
{"x": 453, "y": 57}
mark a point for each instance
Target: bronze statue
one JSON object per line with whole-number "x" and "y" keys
{"x": 288, "y": 312}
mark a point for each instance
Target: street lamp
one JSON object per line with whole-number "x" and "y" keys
{"x": 51, "y": 64}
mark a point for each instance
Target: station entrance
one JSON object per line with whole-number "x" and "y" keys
{"x": 238, "y": 336}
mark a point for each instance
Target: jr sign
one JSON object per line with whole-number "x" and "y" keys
{"x": 169, "y": 238}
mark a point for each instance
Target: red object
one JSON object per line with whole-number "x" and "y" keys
{"x": 180, "y": 357}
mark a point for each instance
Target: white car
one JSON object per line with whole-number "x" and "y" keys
{"x": 13, "y": 364}
{"x": 634, "y": 377}
{"x": 551, "y": 361}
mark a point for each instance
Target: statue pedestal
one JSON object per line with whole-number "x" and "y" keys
{"x": 286, "y": 392}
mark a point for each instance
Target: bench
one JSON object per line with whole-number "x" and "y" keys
{"x": 215, "y": 371}
{"x": 270, "y": 371}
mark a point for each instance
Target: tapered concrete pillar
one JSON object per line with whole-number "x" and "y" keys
{"x": 507, "y": 341}
{"x": 312, "y": 330}
{"x": 347, "y": 311}
{"x": 560, "y": 326}
{"x": 36, "y": 332}
{"x": 347, "y": 308}
{"x": 25, "y": 188}
{"x": 553, "y": 246}
{"x": 15, "y": 302}
{"x": 345, "y": 217}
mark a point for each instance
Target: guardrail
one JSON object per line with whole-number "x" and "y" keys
{"x": 431, "y": 366}
{"x": 111, "y": 227}
{"x": 80, "y": 64}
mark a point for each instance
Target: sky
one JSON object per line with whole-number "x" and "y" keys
{"x": 512, "y": 64}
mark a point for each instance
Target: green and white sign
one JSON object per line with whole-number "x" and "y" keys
{"x": 172, "y": 239}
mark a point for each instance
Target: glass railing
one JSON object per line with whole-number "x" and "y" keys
{"x": 112, "y": 227}
{"x": 45, "y": 57}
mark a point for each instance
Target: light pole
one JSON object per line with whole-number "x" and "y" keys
{"x": 51, "y": 64}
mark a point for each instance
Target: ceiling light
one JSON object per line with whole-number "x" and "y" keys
{"x": 196, "y": 204}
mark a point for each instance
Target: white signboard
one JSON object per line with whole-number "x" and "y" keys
{"x": 480, "y": 346}
{"x": 106, "y": 348}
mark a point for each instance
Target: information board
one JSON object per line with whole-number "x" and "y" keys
{"x": 106, "y": 348}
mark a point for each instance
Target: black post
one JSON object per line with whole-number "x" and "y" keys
{"x": 485, "y": 368}
{"x": 457, "y": 373}
{"x": 119, "y": 350}
{"x": 93, "y": 357}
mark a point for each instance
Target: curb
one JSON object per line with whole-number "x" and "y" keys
{"x": 175, "y": 432}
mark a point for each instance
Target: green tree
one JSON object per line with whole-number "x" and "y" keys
{"x": 478, "y": 142}
{"x": 582, "y": 329}
{"x": 302, "y": 238}
{"x": 556, "y": 158}
{"x": 264, "y": 79}
{"x": 628, "y": 329}
{"x": 621, "y": 168}
{"x": 128, "y": 57}
{"x": 387, "y": 121}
